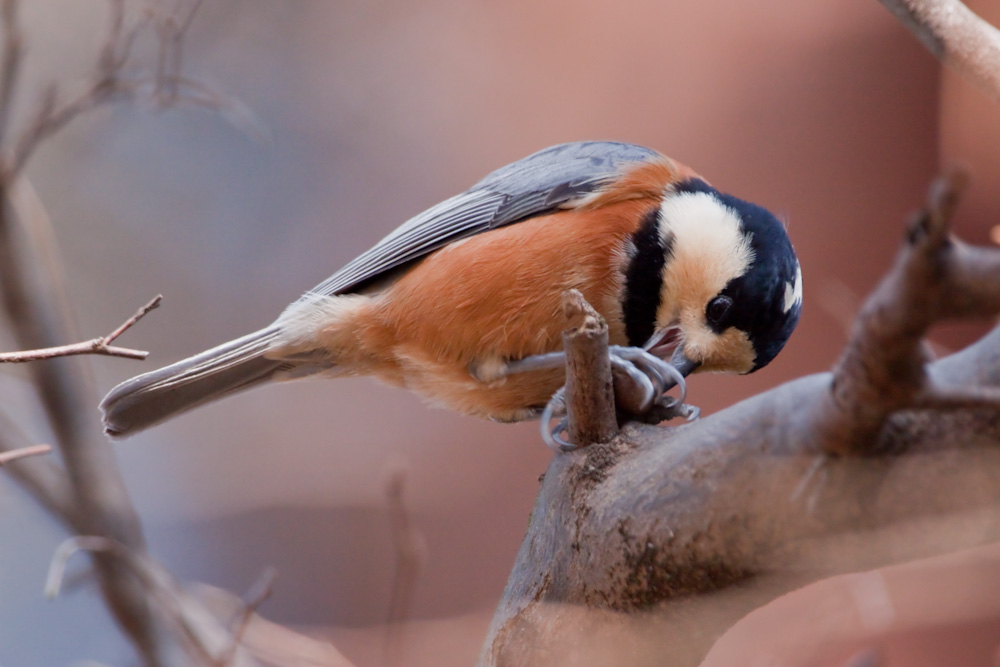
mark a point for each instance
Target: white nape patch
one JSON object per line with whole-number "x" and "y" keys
{"x": 706, "y": 230}
{"x": 312, "y": 315}
{"x": 793, "y": 293}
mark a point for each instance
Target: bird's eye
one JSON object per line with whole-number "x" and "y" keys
{"x": 718, "y": 310}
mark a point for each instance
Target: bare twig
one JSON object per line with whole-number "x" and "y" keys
{"x": 139, "y": 314}
{"x": 24, "y": 452}
{"x": 590, "y": 400}
{"x": 42, "y": 478}
{"x": 171, "y": 31}
{"x": 95, "y": 501}
{"x": 166, "y": 87}
{"x": 252, "y": 600}
{"x": 203, "y": 637}
{"x": 94, "y": 346}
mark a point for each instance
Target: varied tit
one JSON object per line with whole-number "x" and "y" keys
{"x": 456, "y": 297}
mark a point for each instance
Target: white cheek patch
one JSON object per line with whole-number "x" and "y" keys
{"x": 793, "y": 293}
{"x": 708, "y": 249}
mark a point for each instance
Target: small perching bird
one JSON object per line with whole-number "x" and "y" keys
{"x": 462, "y": 302}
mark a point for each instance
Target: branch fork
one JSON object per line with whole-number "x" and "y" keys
{"x": 883, "y": 369}
{"x": 100, "y": 345}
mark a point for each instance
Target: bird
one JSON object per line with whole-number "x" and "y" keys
{"x": 461, "y": 303}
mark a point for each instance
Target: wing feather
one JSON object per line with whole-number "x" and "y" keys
{"x": 551, "y": 179}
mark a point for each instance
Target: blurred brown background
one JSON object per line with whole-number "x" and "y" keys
{"x": 828, "y": 112}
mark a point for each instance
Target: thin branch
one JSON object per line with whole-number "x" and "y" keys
{"x": 166, "y": 87}
{"x": 42, "y": 478}
{"x": 590, "y": 399}
{"x": 130, "y": 322}
{"x": 252, "y": 600}
{"x": 202, "y": 634}
{"x": 23, "y": 452}
{"x": 52, "y": 117}
{"x": 109, "y": 60}
{"x": 89, "y": 496}
{"x": 10, "y": 61}
{"x": 186, "y": 23}
{"x": 956, "y": 36}
{"x": 61, "y": 556}
{"x": 100, "y": 345}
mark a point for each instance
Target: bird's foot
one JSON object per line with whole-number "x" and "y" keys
{"x": 640, "y": 380}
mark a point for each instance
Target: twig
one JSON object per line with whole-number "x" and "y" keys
{"x": 42, "y": 478}
{"x": 252, "y": 600}
{"x": 166, "y": 87}
{"x": 590, "y": 400}
{"x": 62, "y": 554}
{"x": 200, "y": 631}
{"x": 94, "y": 346}
{"x": 89, "y": 495}
{"x": 24, "y": 452}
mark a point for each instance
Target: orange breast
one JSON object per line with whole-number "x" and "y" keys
{"x": 497, "y": 297}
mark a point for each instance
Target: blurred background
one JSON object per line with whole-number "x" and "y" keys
{"x": 828, "y": 112}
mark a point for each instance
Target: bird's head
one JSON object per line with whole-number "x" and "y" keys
{"x": 713, "y": 284}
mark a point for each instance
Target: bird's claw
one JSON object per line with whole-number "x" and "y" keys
{"x": 640, "y": 383}
{"x": 552, "y": 435}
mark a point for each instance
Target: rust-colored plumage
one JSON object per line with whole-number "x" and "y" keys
{"x": 446, "y": 303}
{"x": 409, "y": 336}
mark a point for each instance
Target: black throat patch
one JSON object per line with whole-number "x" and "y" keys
{"x": 644, "y": 279}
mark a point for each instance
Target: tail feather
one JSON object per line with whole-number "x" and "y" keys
{"x": 148, "y": 399}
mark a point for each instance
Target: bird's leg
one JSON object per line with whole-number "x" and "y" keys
{"x": 640, "y": 383}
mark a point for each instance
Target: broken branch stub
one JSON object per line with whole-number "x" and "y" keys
{"x": 590, "y": 400}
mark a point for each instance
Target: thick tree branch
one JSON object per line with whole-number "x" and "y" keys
{"x": 882, "y": 369}
{"x": 656, "y": 542}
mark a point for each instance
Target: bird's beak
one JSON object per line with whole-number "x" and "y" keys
{"x": 680, "y": 367}
{"x": 682, "y": 363}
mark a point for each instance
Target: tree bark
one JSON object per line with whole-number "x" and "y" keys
{"x": 649, "y": 547}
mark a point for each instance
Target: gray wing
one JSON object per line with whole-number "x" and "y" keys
{"x": 545, "y": 181}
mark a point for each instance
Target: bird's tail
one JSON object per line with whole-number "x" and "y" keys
{"x": 153, "y": 397}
